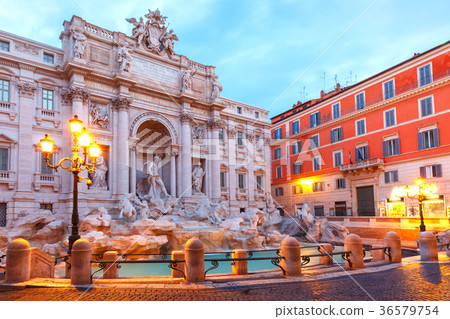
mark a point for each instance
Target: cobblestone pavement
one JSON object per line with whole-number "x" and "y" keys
{"x": 428, "y": 281}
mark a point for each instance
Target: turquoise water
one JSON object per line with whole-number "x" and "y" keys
{"x": 162, "y": 269}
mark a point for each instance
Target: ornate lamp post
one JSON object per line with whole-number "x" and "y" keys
{"x": 424, "y": 192}
{"x": 81, "y": 143}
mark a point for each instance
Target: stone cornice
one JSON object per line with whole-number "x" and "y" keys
{"x": 215, "y": 124}
{"x": 72, "y": 67}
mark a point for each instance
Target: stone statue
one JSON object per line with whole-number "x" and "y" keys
{"x": 197, "y": 134}
{"x": 217, "y": 88}
{"x": 138, "y": 31}
{"x": 186, "y": 80}
{"x": 167, "y": 40}
{"x": 124, "y": 58}
{"x": 197, "y": 178}
{"x": 154, "y": 180}
{"x": 78, "y": 46}
{"x": 99, "y": 115}
{"x": 99, "y": 178}
{"x": 127, "y": 209}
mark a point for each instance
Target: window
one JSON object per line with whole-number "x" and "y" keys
{"x": 319, "y": 211}
{"x": 318, "y": 186}
{"x": 314, "y": 119}
{"x": 425, "y": 75}
{"x": 390, "y": 177}
{"x": 46, "y": 206}
{"x": 242, "y": 210}
{"x": 49, "y": 58}
{"x": 4, "y": 46}
{"x": 388, "y": 89}
{"x": 360, "y": 101}
{"x": 45, "y": 169}
{"x": 4, "y": 90}
{"x": 431, "y": 171}
{"x": 336, "y": 134}
{"x": 337, "y": 159}
{"x": 296, "y": 168}
{"x": 221, "y": 134}
{"x": 239, "y": 110}
{"x": 295, "y": 127}
{"x": 277, "y": 134}
{"x": 3, "y": 207}
{"x": 428, "y": 139}
{"x": 426, "y": 106}
{"x": 241, "y": 181}
{"x": 391, "y": 147}
{"x": 256, "y": 115}
{"x": 361, "y": 127}
{"x": 297, "y": 189}
{"x": 296, "y": 147}
{"x": 362, "y": 153}
{"x": 4, "y": 159}
{"x": 240, "y": 138}
{"x": 277, "y": 153}
{"x": 314, "y": 141}
{"x": 223, "y": 180}
{"x": 279, "y": 172}
{"x": 47, "y": 99}
{"x": 336, "y": 110}
{"x": 259, "y": 182}
{"x": 340, "y": 183}
{"x": 389, "y": 118}
{"x": 316, "y": 163}
{"x": 279, "y": 191}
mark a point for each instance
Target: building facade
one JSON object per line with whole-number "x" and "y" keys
{"x": 139, "y": 99}
{"x": 350, "y": 153}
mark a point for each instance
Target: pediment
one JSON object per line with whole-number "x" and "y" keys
{"x": 6, "y": 140}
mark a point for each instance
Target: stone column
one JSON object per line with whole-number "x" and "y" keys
{"x": 428, "y": 246}
{"x": 239, "y": 267}
{"x": 392, "y": 240}
{"x": 81, "y": 263}
{"x": 214, "y": 156}
{"x": 195, "y": 260}
{"x": 18, "y": 261}
{"x": 178, "y": 255}
{"x": 291, "y": 263}
{"x": 133, "y": 170}
{"x": 353, "y": 244}
{"x": 110, "y": 271}
{"x": 122, "y": 104}
{"x": 268, "y": 165}
{"x": 231, "y": 135}
{"x": 173, "y": 173}
{"x": 186, "y": 160}
{"x": 326, "y": 250}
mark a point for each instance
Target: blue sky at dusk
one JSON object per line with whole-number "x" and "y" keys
{"x": 260, "y": 48}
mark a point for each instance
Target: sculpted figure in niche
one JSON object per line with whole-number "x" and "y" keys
{"x": 217, "y": 88}
{"x": 99, "y": 116}
{"x": 154, "y": 180}
{"x": 78, "y": 46}
{"x": 124, "y": 58}
{"x": 197, "y": 178}
{"x": 99, "y": 178}
{"x": 138, "y": 31}
{"x": 186, "y": 79}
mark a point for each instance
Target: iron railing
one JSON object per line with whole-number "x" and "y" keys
{"x": 387, "y": 251}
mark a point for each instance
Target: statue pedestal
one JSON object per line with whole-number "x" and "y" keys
{"x": 195, "y": 199}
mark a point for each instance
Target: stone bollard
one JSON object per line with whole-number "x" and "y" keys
{"x": 178, "y": 255}
{"x": 81, "y": 262}
{"x": 291, "y": 263}
{"x": 195, "y": 260}
{"x": 239, "y": 267}
{"x": 392, "y": 240}
{"x": 110, "y": 271}
{"x": 428, "y": 246}
{"x": 18, "y": 261}
{"x": 378, "y": 254}
{"x": 353, "y": 244}
{"x": 327, "y": 259}
{"x": 447, "y": 236}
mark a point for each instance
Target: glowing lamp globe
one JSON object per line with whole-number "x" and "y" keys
{"x": 94, "y": 150}
{"x": 47, "y": 145}
{"x": 85, "y": 139}
{"x": 76, "y": 125}
{"x": 419, "y": 181}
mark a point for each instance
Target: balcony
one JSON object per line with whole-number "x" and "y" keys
{"x": 241, "y": 193}
{"x": 49, "y": 180}
{"x": 224, "y": 193}
{"x": 47, "y": 115}
{"x": 8, "y": 177}
{"x": 260, "y": 194}
{"x": 9, "y": 109}
{"x": 365, "y": 166}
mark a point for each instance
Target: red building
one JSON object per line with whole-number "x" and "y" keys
{"x": 351, "y": 152}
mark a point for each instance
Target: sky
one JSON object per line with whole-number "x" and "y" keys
{"x": 267, "y": 53}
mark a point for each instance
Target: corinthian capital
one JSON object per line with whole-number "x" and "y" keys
{"x": 215, "y": 124}
{"x": 185, "y": 117}
{"x": 26, "y": 88}
{"x": 121, "y": 102}
{"x": 75, "y": 93}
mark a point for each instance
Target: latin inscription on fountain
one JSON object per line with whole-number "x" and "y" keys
{"x": 155, "y": 71}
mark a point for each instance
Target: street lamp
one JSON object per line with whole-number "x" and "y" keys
{"x": 423, "y": 192}
{"x": 81, "y": 143}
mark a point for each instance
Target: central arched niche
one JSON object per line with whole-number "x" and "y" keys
{"x": 153, "y": 138}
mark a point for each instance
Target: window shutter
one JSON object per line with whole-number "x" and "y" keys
{"x": 395, "y": 177}
{"x": 438, "y": 170}
{"x": 318, "y": 118}
{"x": 420, "y": 140}
{"x": 397, "y": 146}
{"x": 435, "y": 137}
{"x": 423, "y": 173}
{"x": 312, "y": 121}
{"x": 332, "y": 136}
{"x": 343, "y": 183}
{"x": 340, "y": 134}
{"x": 386, "y": 178}
{"x": 385, "y": 149}
{"x": 366, "y": 152}
{"x": 357, "y": 155}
